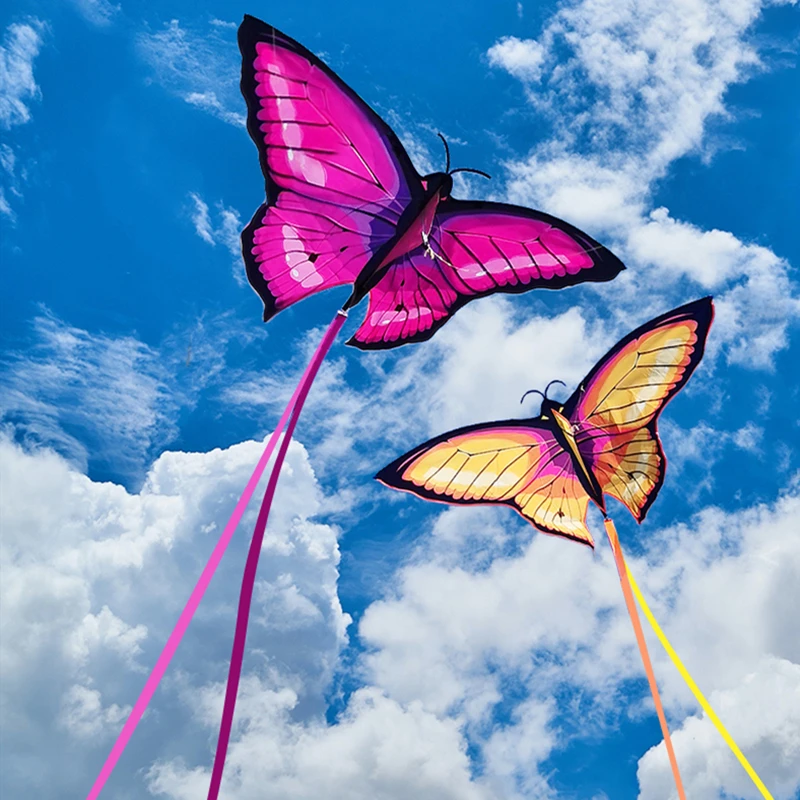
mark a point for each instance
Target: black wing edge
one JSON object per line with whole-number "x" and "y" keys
{"x": 390, "y": 475}
{"x": 702, "y": 311}
{"x": 253, "y": 30}
{"x": 607, "y": 267}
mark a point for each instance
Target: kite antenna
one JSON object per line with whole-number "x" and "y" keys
{"x": 447, "y": 152}
{"x": 547, "y": 388}
{"x": 475, "y": 171}
{"x": 532, "y": 391}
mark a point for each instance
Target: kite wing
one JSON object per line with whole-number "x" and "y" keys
{"x": 477, "y": 249}
{"x": 615, "y": 410}
{"x": 337, "y": 177}
{"x": 518, "y": 464}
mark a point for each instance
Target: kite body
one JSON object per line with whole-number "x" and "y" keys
{"x": 602, "y": 441}
{"x": 346, "y": 206}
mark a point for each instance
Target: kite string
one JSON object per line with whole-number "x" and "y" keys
{"x": 619, "y": 559}
{"x": 202, "y": 584}
{"x": 251, "y": 566}
{"x": 705, "y": 705}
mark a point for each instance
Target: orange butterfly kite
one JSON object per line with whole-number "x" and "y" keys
{"x": 602, "y": 441}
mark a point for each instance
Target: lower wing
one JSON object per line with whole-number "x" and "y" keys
{"x": 300, "y": 246}
{"x": 627, "y": 466}
{"x": 477, "y": 249}
{"x": 519, "y": 465}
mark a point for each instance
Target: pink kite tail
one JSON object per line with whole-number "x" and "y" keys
{"x": 205, "y": 578}
{"x": 251, "y": 566}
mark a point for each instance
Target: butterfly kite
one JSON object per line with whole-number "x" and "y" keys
{"x": 603, "y": 441}
{"x": 345, "y": 206}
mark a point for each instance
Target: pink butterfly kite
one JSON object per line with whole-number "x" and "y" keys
{"x": 346, "y": 206}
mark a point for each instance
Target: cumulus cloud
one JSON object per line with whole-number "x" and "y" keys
{"x": 551, "y": 621}
{"x": 378, "y": 748}
{"x": 93, "y": 579}
{"x": 200, "y": 68}
{"x": 761, "y": 714}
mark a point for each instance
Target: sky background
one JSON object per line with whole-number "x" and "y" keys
{"x": 397, "y": 648}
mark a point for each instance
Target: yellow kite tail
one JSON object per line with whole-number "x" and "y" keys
{"x": 648, "y": 667}
{"x": 695, "y": 690}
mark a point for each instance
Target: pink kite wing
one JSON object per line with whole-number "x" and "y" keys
{"x": 514, "y": 463}
{"x": 337, "y": 178}
{"x": 409, "y": 304}
{"x": 477, "y": 249}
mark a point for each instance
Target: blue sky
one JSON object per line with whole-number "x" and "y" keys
{"x": 396, "y": 648}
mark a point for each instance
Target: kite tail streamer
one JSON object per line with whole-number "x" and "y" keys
{"x": 704, "y": 704}
{"x": 648, "y": 667}
{"x": 251, "y": 566}
{"x": 208, "y": 571}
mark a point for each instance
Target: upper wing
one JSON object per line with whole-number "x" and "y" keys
{"x": 494, "y": 247}
{"x": 520, "y": 465}
{"x": 615, "y": 410}
{"x": 345, "y": 170}
{"x": 477, "y": 249}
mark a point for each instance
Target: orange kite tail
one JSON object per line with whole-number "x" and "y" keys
{"x": 648, "y": 667}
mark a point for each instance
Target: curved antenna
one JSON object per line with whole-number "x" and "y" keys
{"x": 547, "y": 388}
{"x": 475, "y": 171}
{"x": 447, "y": 152}
{"x": 531, "y": 391}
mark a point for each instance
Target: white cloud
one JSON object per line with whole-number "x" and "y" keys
{"x": 749, "y": 437}
{"x": 7, "y": 159}
{"x": 5, "y": 208}
{"x": 522, "y": 58}
{"x": 98, "y": 12}
{"x": 202, "y": 69}
{"x": 226, "y": 231}
{"x": 453, "y": 633}
{"x": 762, "y": 714}
{"x": 201, "y": 219}
{"x": 83, "y": 715}
{"x": 93, "y": 580}
{"x": 21, "y": 45}
{"x": 208, "y": 101}
{"x": 104, "y": 573}
{"x": 379, "y": 748}
{"x": 92, "y": 396}
{"x": 639, "y": 85}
